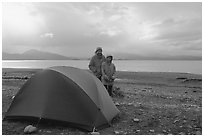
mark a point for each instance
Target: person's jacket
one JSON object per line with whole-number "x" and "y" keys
{"x": 95, "y": 65}
{"x": 108, "y": 72}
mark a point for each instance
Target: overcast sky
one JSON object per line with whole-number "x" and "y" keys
{"x": 76, "y": 29}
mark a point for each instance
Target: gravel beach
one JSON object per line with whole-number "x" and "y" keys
{"x": 151, "y": 103}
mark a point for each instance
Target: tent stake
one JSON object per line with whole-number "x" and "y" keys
{"x": 94, "y": 129}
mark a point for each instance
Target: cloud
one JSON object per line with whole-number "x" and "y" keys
{"x": 184, "y": 29}
{"x": 129, "y": 27}
{"x": 47, "y": 35}
{"x": 109, "y": 32}
{"x": 115, "y": 17}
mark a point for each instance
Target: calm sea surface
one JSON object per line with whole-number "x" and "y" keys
{"x": 122, "y": 65}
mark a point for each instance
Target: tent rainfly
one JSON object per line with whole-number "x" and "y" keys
{"x": 66, "y": 94}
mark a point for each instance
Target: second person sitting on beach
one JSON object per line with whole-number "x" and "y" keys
{"x": 108, "y": 74}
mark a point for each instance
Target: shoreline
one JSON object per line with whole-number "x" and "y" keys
{"x": 193, "y": 67}
{"x": 150, "y": 72}
{"x": 124, "y": 77}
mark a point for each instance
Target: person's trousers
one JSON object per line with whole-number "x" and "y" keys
{"x": 109, "y": 89}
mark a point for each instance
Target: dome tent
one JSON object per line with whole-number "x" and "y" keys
{"x": 64, "y": 94}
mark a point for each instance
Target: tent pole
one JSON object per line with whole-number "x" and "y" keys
{"x": 38, "y": 122}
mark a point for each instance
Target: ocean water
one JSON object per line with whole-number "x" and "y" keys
{"x": 194, "y": 67}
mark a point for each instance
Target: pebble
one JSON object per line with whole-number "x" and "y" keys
{"x": 116, "y": 132}
{"x": 30, "y": 129}
{"x": 176, "y": 121}
{"x": 198, "y": 133}
{"x": 117, "y": 104}
{"x": 129, "y": 104}
{"x": 135, "y": 105}
{"x": 136, "y": 120}
{"x": 125, "y": 133}
{"x": 95, "y": 133}
{"x": 189, "y": 126}
{"x": 131, "y": 125}
{"x": 138, "y": 130}
{"x": 181, "y": 133}
{"x": 151, "y": 130}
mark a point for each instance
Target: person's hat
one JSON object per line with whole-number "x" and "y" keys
{"x": 98, "y": 49}
{"x": 109, "y": 56}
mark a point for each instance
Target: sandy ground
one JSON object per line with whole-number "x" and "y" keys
{"x": 150, "y": 104}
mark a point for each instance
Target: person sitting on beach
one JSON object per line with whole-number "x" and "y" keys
{"x": 108, "y": 71}
{"x": 96, "y": 62}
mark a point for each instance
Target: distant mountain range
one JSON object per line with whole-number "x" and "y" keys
{"x": 39, "y": 55}
{"x": 34, "y": 55}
